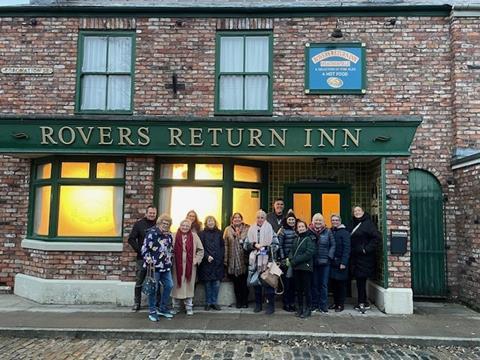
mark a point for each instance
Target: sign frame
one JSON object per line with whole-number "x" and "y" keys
{"x": 362, "y": 86}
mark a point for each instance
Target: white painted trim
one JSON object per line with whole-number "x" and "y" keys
{"x": 465, "y": 164}
{"x": 71, "y": 246}
{"x": 391, "y": 300}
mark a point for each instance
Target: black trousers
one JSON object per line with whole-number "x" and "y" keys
{"x": 362, "y": 289}
{"x": 303, "y": 283}
{"x": 339, "y": 291}
{"x": 240, "y": 288}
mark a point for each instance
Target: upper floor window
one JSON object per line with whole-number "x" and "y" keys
{"x": 244, "y": 73}
{"x": 105, "y": 72}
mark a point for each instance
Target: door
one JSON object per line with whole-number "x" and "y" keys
{"x": 428, "y": 246}
{"x": 327, "y": 199}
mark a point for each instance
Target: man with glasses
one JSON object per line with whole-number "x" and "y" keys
{"x": 135, "y": 239}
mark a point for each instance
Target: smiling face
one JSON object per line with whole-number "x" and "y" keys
{"x": 210, "y": 223}
{"x": 151, "y": 213}
{"x": 192, "y": 216}
{"x": 164, "y": 225}
{"x": 291, "y": 221}
{"x": 301, "y": 227}
{"x": 278, "y": 206}
{"x": 335, "y": 221}
{"x": 260, "y": 218}
{"x": 185, "y": 226}
{"x": 237, "y": 219}
{"x": 358, "y": 212}
{"x": 318, "y": 222}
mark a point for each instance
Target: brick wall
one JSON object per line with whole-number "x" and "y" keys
{"x": 467, "y": 181}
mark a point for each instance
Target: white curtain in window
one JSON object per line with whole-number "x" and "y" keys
{"x": 231, "y": 54}
{"x": 256, "y": 92}
{"x": 119, "y": 92}
{"x": 256, "y": 54}
{"x": 231, "y": 93}
{"x": 94, "y": 89}
{"x": 94, "y": 53}
{"x": 119, "y": 54}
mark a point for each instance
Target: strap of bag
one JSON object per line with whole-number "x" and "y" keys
{"x": 298, "y": 247}
{"x": 355, "y": 228}
{"x": 283, "y": 287}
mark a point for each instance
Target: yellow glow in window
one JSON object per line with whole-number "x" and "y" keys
{"x": 302, "y": 206}
{"x": 178, "y": 201}
{"x": 109, "y": 170}
{"x": 78, "y": 170}
{"x": 42, "y": 210}
{"x": 208, "y": 171}
{"x": 330, "y": 205}
{"x": 246, "y": 173}
{"x": 90, "y": 211}
{"x": 247, "y": 203}
{"x": 174, "y": 171}
{"x": 44, "y": 171}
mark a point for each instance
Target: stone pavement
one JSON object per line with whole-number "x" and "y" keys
{"x": 432, "y": 324}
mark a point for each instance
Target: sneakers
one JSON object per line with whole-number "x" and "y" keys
{"x": 215, "y": 307}
{"x": 339, "y": 308}
{"x": 361, "y": 307}
{"x": 153, "y": 317}
{"x": 189, "y": 312}
{"x": 367, "y": 306}
{"x": 165, "y": 314}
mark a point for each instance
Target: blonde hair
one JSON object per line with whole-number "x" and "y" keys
{"x": 164, "y": 217}
{"x": 262, "y": 213}
{"x": 317, "y": 216}
{"x": 214, "y": 220}
{"x": 186, "y": 221}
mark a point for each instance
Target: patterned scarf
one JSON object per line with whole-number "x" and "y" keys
{"x": 237, "y": 234}
{"x": 178, "y": 250}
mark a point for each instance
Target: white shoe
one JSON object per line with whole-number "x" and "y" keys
{"x": 189, "y": 312}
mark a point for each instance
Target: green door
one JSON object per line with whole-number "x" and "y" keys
{"x": 428, "y": 245}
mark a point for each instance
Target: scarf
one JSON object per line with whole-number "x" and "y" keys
{"x": 236, "y": 234}
{"x": 178, "y": 250}
{"x": 262, "y": 235}
{"x": 315, "y": 230}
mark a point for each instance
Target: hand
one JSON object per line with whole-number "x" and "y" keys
{"x": 148, "y": 260}
{"x": 257, "y": 246}
{"x": 210, "y": 259}
{"x": 287, "y": 262}
{"x": 342, "y": 267}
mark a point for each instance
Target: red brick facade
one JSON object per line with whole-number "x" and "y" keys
{"x": 417, "y": 66}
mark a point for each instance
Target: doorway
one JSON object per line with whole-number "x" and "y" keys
{"x": 309, "y": 198}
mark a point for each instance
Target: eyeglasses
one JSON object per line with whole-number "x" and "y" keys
{"x": 165, "y": 224}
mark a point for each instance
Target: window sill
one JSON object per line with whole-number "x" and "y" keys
{"x": 71, "y": 246}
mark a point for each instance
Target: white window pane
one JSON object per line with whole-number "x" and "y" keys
{"x": 119, "y": 54}
{"x": 94, "y": 89}
{"x": 231, "y": 93}
{"x": 94, "y": 53}
{"x": 256, "y": 54}
{"x": 231, "y": 54}
{"x": 256, "y": 93}
{"x": 42, "y": 210}
{"x": 119, "y": 93}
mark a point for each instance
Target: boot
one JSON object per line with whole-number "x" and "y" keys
{"x": 270, "y": 304}
{"x": 307, "y": 312}
{"x": 299, "y": 311}
{"x": 258, "y": 303}
{"x": 137, "y": 299}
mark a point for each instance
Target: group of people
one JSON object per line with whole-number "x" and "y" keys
{"x": 310, "y": 255}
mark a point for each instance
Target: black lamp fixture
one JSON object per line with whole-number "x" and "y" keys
{"x": 337, "y": 32}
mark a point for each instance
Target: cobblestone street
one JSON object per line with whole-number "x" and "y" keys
{"x": 21, "y": 348}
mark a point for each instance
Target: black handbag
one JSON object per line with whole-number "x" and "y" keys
{"x": 149, "y": 285}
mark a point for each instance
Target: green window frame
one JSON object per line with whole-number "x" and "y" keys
{"x": 244, "y": 74}
{"x": 228, "y": 184}
{"x": 55, "y": 182}
{"x": 109, "y": 74}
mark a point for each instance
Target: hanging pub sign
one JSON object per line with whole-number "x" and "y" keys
{"x": 335, "y": 68}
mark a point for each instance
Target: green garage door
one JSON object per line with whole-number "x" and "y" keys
{"x": 428, "y": 246}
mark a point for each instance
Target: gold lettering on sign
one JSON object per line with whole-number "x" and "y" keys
{"x": 196, "y": 134}
{"x": 276, "y": 135}
{"x": 61, "y": 135}
{"x": 308, "y": 138}
{"x": 229, "y": 137}
{"x": 85, "y": 137}
{"x": 124, "y": 136}
{"x": 215, "y": 132}
{"x": 47, "y": 133}
{"x": 323, "y": 135}
{"x": 354, "y": 139}
{"x": 255, "y": 135}
{"x": 105, "y": 135}
{"x": 143, "y": 133}
{"x": 175, "y": 134}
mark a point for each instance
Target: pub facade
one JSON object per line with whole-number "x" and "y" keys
{"x": 106, "y": 109}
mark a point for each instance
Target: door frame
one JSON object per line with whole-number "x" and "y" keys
{"x": 317, "y": 187}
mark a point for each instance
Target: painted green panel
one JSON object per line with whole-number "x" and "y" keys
{"x": 208, "y": 136}
{"x": 428, "y": 246}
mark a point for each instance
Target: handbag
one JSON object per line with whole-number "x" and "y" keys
{"x": 272, "y": 274}
{"x": 149, "y": 285}
{"x": 254, "y": 279}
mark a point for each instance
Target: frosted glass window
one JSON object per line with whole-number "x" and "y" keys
{"x": 208, "y": 171}
{"x": 42, "y": 210}
{"x": 110, "y": 170}
{"x": 174, "y": 171}
{"x": 78, "y": 170}
{"x": 247, "y": 203}
{"x": 44, "y": 171}
{"x": 247, "y": 174}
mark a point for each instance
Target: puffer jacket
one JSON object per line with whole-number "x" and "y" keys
{"x": 325, "y": 246}
{"x": 286, "y": 238}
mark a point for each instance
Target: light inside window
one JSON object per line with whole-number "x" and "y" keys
{"x": 247, "y": 203}
{"x": 90, "y": 211}
{"x": 110, "y": 170}
{"x": 44, "y": 171}
{"x": 302, "y": 206}
{"x": 178, "y": 201}
{"x": 77, "y": 170}
{"x": 174, "y": 171}
{"x": 208, "y": 171}
{"x": 330, "y": 205}
{"x": 42, "y": 210}
{"x": 247, "y": 173}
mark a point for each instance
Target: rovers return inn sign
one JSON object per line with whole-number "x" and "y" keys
{"x": 204, "y": 136}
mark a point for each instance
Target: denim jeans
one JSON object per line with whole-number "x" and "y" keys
{"x": 320, "y": 286}
{"x": 165, "y": 279}
{"x": 211, "y": 292}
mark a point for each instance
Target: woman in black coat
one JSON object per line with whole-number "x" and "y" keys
{"x": 211, "y": 269}
{"x": 339, "y": 265}
{"x": 364, "y": 238}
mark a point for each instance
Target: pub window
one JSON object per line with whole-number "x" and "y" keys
{"x": 105, "y": 72}
{"x": 77, "y": 199}
{"x": 244, "y": 73}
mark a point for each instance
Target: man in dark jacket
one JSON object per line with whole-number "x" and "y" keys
{"x": 276, "y": 217}
{"x": 135, "y": 239}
